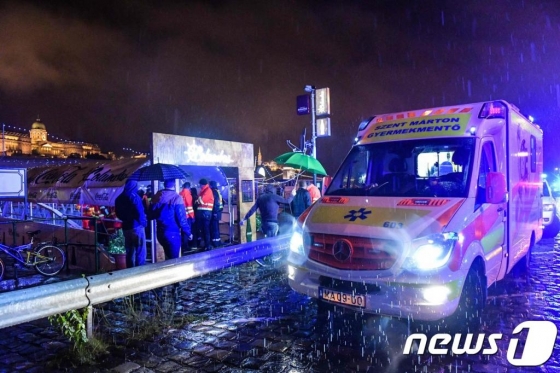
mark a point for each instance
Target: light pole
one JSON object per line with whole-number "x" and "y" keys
{"x": 311, "y": 89}
{"x": 3, "y": 139}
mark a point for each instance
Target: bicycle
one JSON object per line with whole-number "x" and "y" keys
{"x": 47, "y": 259}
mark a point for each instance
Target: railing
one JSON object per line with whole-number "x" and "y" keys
{"x": 55, "y": 230}
{"x": 66, "y": 232}
{"x": 35, "y": 303}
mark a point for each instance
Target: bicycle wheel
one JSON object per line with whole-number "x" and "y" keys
{"x": 49, "y": 260}
{"x": 1, "y": 269}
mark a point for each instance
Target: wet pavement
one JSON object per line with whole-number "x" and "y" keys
{"x": 247, "y": 319}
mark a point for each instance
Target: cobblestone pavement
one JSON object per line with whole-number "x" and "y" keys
{"x": 247, "y": 319}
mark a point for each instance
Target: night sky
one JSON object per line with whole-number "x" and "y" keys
{"x": 112, "y": 72}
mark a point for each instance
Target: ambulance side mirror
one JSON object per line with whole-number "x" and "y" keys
{"x": 496, "y": 190}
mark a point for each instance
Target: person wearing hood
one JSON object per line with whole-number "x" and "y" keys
{"x": 302, "y": 199}
{"x": 129, "y": 209}
{"x": 168, "y": 209}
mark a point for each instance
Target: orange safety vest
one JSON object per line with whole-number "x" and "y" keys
{"x": 85, "y": 222}
{"x": 187, "y": 199}
{"x": 314, "y": 192}
{"x": 205, "y": 199}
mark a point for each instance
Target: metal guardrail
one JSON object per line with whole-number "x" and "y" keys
{"x": 26, "y": 305}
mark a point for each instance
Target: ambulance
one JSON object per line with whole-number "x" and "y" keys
{"x": 429, "y": 208}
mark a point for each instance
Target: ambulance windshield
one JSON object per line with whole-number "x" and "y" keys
{"x": 415, "y": 168}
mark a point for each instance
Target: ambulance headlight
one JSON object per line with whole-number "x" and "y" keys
{"x": 548, "y": 207}
{"x": 296, "y": 243}
{"x": 431, "y": 252}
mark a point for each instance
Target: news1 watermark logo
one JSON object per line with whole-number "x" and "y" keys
{"x": 538, "y": 347}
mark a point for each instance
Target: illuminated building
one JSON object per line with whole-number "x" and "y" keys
{"x": 37, "y": 143}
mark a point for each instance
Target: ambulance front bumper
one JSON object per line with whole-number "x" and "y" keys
{"x": 427, "y": 298}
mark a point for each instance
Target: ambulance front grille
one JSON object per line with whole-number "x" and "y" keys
{"x": 353, "y": 253}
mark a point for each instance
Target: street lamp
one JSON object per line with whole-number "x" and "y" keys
{"x": 3, "y": 139}
{"x": 311, "y": 89}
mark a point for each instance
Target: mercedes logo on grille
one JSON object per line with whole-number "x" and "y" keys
{"x": 342, "y": 250}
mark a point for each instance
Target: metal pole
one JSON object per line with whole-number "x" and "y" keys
{"x": 66, "y": 241}
{"x": 313, "y": 130}
{"x": 3, "y": 139}
{"x": 25, "y": 201}
{"x": 153, "y": 246}
{"x": 89, "y": 322}
{"x": 94, "y": 220}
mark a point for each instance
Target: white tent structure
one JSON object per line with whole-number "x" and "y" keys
{"x": 93, "y": 184}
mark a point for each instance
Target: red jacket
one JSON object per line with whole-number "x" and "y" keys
{"x": 205, "y": 199}
{"x": 187, "y": 199}
{"x": 314, "y": 192}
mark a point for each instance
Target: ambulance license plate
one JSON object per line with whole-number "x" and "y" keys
{"x": 342, "y": 298}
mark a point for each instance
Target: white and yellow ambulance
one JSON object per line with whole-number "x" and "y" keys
{"x": 429, "y": 208}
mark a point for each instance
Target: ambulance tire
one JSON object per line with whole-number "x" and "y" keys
{"x": 524, "y": 265}
{"x": 467, "y": 317}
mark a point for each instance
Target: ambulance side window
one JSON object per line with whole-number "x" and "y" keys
{"x": 533, "y": 144}
{"x": 487, "y": 164}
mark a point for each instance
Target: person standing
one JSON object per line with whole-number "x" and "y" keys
{"x": 314, "y": 192}
{"x": 446, "y": 166}
{"x": 188, "y": 201}
{"x": 216, "y": 214}
{"x": 129, "y": 209}
{"x": 168, "y": 209}
{"x": 147, "y": 197}
{"x": 205, "y": 205}
{"x": 302, "y": 199}
{"x": 268, "y": 205}
{"x": 196, "y": 229}
{"x": 86, "y": 222}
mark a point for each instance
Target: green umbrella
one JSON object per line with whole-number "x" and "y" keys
{"x": 301, "y": 161}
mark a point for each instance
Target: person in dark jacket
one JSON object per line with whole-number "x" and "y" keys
{"x": 168, "y": 209}
{"x": 302, "y": 199}
{"x": 195, "y": 226}
{"x": 216, "y": 214}
{"x": 129, "y": 209}
{"x": 267, "y": 204}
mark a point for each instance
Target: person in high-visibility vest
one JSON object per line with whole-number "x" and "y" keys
{"x": 188, "y": 200}
{"x": 216, "y": 214}
{"x": 205, "y": 205}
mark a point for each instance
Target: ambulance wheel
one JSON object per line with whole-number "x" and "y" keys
{"x": 468, "y": 314}
{"x": 524, "y": 264}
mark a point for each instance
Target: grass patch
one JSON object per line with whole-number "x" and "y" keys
{"x": 145, "y": 320}
{"x": 84, "y": 350}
